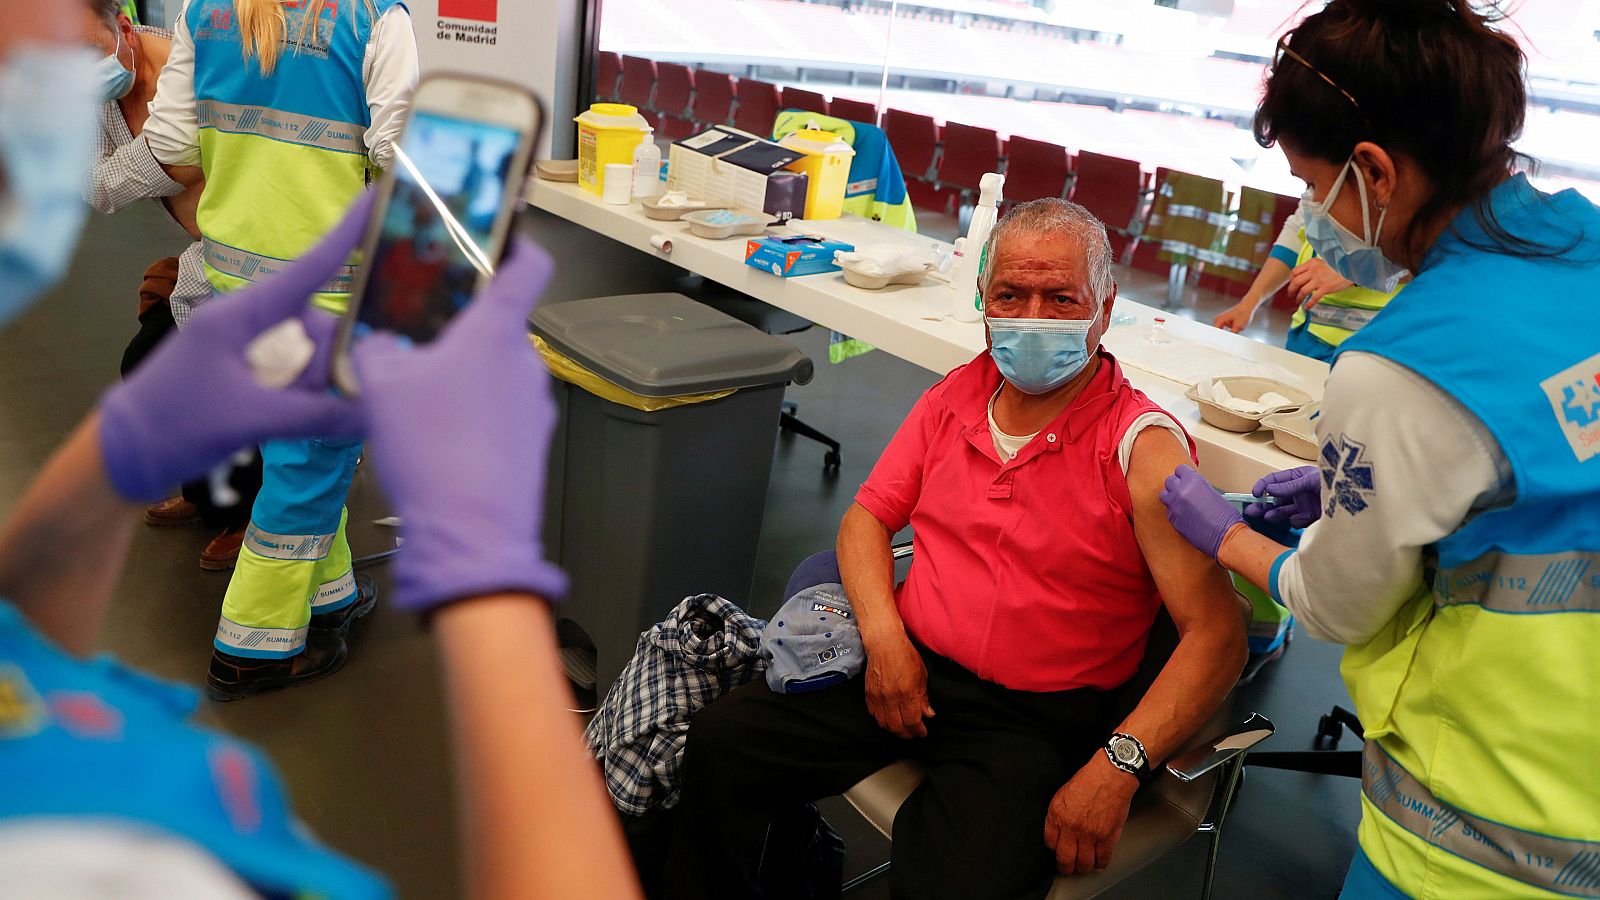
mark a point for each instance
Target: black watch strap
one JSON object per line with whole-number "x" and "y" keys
{"x": 1137, "y": 765}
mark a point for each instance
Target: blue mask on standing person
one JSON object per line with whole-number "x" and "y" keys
{"x": 47, "y": 132}
{"x": 1355, "y": 258}
{"x": 1039, "y": 355}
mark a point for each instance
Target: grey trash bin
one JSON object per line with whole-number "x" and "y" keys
{"x": 648, "y": 507}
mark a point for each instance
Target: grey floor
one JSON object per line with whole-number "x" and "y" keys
{"x": 365, "y": 753}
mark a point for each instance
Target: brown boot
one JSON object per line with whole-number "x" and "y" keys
{"x": 236, "y": 677}
{"x": 171, "y": 511}
{"x": 223, "y": 552}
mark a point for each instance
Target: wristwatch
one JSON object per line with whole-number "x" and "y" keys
{"x": 1127, "y": 754}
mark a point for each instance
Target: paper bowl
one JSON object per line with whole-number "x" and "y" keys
{"x": 753, "y": 223}
{"x": 1294, "y": 432}
{"x": 653, "y": 210}
{"x": 879, "y": 282}
{"x": 1247, "y": 387}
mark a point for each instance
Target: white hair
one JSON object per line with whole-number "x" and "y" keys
{"x": 1054, "y": 216}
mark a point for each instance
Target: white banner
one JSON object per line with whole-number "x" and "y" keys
{"x": 529, "y": 42}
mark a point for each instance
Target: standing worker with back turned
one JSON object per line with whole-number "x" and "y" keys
{"x": 1455, "y": 548}
{"x": 287, "y": 107}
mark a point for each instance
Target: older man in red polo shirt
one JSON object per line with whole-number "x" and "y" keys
{"x": 1030, "y": 477}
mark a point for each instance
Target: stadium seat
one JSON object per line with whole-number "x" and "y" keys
{"x": 758, "y": 106}
{"x": 713, "y": 98}
{"x": 854, "y": 110}
{"x": 638, "y": 81}
{"x": 799, "y": 98}
{"x": 676, "y": 128}
{"x": 1283, "y": 208}
{"x": 1109, "y": 187}
{"x": 915, "y": 139}
{"x": 1035, "y": 170}
{"x": 608, "y": 77}
{"x": 674, "y": 89}
{"x": 969, "y": 153}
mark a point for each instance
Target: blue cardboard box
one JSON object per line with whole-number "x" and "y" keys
{"x": 789, "y": 256}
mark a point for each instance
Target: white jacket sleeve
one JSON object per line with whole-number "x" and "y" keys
{"x": 389, "y": 71}
{"x": 1406, "y": 471}
{"x": 172, "y": 130}
{"x": 1289, "y": 234}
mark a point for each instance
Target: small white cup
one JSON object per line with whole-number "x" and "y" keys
{"x": 616, "y": 186}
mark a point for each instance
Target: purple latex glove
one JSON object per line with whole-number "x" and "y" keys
{"x": 459, "y": 430}
{"x": 1299, "y": 493}
{"x": 1197, "y": 511}
{"x": 196, "y": 401}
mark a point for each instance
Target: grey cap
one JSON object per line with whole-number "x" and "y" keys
{"x": 812, "y": 641}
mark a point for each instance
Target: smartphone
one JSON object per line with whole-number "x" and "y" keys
{"x": 444, "y": 210}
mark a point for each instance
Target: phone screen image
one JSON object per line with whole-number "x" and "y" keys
{"x": 450, "y": 177}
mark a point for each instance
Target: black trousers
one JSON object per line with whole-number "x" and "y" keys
{"x": 155, "y": 323}
{"x": 975, "y": 828}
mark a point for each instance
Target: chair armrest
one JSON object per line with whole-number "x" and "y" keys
{"x": 1215, "y": 751}
{"x": 901, "y": 551}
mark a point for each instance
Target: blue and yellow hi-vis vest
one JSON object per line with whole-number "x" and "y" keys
{"x": 97, "y": 742}
{"x": 284, "y": 155}
{"x": 1481, "y": 699}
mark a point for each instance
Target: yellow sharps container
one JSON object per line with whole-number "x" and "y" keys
{"x": 826, "y": 165}
{"x": 607, "y": 133}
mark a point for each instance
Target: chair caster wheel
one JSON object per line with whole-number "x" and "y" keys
{"x": 831, "y": 461}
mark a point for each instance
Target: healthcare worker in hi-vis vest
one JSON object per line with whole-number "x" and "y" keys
{"x": 107, "y": 786}
{"x": 287, "y": 107}
{"x": 1454, "y": 515}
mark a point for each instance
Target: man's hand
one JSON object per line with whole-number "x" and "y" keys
{"x": 1086, "y": 816}
{"x": 1312, "y": 280}
{"x": 897, "y": 687}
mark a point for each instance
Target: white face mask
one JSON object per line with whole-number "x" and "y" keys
{"x": 1355, "y": 258}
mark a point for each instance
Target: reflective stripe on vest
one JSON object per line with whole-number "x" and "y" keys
{"x": 1350, "y": 318}
{"x": 292, "y": 128}
{"x": 253, "y": 266}
{"x": 287, "y": 546}
{"x": 1556, "y": 864}
{"x": 1523, "y": 583}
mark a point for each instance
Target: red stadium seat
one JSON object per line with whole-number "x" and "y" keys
{"x": 1109, "y": 187}
{"x": 758, "y": 106}
{"x": 969, "y": 153}
{"x": 638, "y": 81}
{"x": 713, "y": 97}
{"x": 674, "y": 89}
{"x": 608, "y": 77}
{"x": 1035, "y": 170}
{"x": 676, "y": 128}
{"x": 915, "y": 139}
{"x": 799, "y": 98}
{"x": 854, "y": 110}
{"x": 926, "y": 195}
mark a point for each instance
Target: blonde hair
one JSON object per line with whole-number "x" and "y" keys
{"x": 263, "y": 28}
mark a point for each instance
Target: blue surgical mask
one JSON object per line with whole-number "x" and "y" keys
{"x": 1355, "y": 258}
{"x": 1039, "y": 355}
{"x": 47, "y": 133}
{"x": 115, "y": 81}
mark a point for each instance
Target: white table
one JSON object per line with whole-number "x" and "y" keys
{"x": 912, "y": 322}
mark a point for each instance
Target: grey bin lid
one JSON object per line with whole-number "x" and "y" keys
{"x": 667, "y": 345}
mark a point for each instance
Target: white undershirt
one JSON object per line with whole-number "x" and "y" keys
{"x": 1009, "y": 445}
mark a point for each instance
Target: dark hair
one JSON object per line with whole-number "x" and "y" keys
{"x": 1434, "y": 80}
{"x": 107, "y": 10}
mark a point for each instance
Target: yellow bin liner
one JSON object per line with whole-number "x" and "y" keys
{"x": 567, "y": 369}
{"x": 607, "y": 134}
{"x": 826, "y": 165}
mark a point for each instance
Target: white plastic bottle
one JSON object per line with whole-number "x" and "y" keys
{"x": 646, "y": 169}
{"x": 968, "y": 306}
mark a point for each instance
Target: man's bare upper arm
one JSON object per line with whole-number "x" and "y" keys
{"x": 1195, "y": 589}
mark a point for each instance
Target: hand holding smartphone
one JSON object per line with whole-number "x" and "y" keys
{"x": 444, "y": 210}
